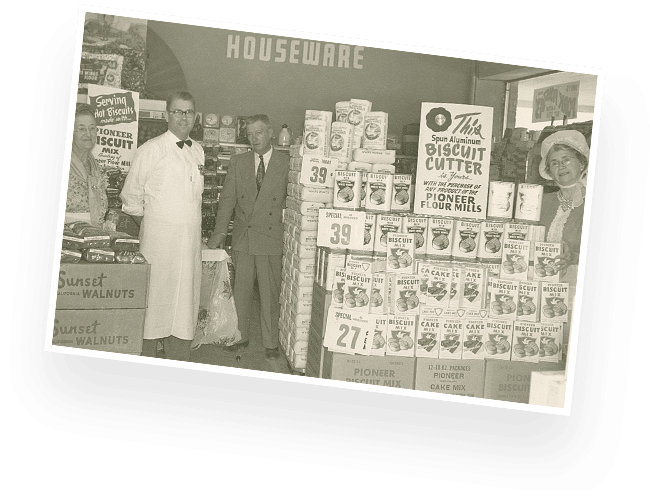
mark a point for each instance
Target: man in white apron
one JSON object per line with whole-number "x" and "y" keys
{"x": 162, "y": 192}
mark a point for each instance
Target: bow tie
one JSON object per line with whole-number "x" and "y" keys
{"x": 180, "y": 144}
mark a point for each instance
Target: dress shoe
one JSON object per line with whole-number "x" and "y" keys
{"x": 236, "y": 347}
{"x": 272, "y": 353}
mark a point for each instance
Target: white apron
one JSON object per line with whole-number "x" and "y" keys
{"x": 170, "y": 240}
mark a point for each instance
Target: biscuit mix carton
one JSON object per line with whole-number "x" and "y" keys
{"x": 378, "y": 302}
{"x": 435, "y": 283}
{"x": 525, "y": 342}
{"x": 417, "y": 226}
{"x": 347, "y": 190}
{"x": 465, "y": 241}
{"x": 378, "y": 324}
{"x": 369, "y": 234}
{"x": 338, "y": 287}
{"x": 473, "y": 287}
{"x": 528, "y": 307}
{"x": 357, "y": 289}
{"x": 545, "y": 261}
{"x": 474, "y": 338}
{"x": 400, "y": 253}
{"x": 516, "y": 231}
{"x": 428, "y": 334}
{"x": 514, "y": 260}
{"x": 439, "y": 237}
{"x": 555, "y": 302}
{"x": 402, "y": 193}
{"x": 363, "y": 191}
{"x": 503, "y": 297}
{"x": 379, "y": 192}
{"x": 550, "y": 342}
{"x": 403, "y": 293}
{"x": 451, "y": 338}
{"x": 385, "y": 223}
{"x": 401, "y": 335}
{"x": 499, "y": 339}
{"x": 490, "y": 241}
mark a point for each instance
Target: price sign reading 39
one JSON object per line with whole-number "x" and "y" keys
{"x": 340, "y": 229}
{"x": 318, "y": 171}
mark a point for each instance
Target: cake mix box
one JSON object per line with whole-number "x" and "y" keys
{"x": 338, "y": 287}
{"x": 402, "y": 193}
{"x": 378, "y": 295}
{"x": 451, "y": 338}
{"x": 514, "y": 260}
{"x": 369, "y": 233}
{"x": 347, "y": 190}
{"x": 385, "y": 223}
{"x": 379, "y": 192}
{"x": 454, "y": 295}
{"x": 357, "y": 289}
{"x": 555, "y": 302}
{"x": 428, "y": 334}
{"x": 400, "y": 253}
{"x": 499, "y": 339}
{"x": 417, "y": 226}
{"x": 375, "y": 130}
{"x": 401, "y": 335}
{"x": 439, "y": 237}
{"x": 341, "y": 136}
{"x": 545, "y": 259}
{"x": 503, "y": 297}
{"x": 474, "y": 338}
{"x": 473, "y": 288}
{"x": 464, "y": 242}
{"x": 525, "y": 342}
{"x": 403, "y": 293}
{"x": 550, "y": 342}
{"x": 528, "y": 306}
{"x": 316, "y": 137}
{"x": 435, "y": 283}
{"x": 378, "y": 324}
{"x": 490, "y": 241}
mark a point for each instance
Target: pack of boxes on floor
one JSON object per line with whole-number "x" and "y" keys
{"x": 335, "y": 165}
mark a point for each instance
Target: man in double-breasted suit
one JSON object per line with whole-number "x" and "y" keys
{"x": 255, "y": 188}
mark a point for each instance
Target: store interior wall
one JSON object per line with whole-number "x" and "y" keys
{"x": 395, "y": 82}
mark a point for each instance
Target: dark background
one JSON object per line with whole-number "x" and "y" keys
{"x": 44, "y": 461}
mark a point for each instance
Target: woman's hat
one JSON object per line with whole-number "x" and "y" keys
{"x": 571, "y": 138}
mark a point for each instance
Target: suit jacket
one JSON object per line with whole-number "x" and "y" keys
{"x": 258, "y": 228}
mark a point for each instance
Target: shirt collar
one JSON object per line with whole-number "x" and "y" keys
{"x": 267, "y": 158}
{"x": 172, "y": 138}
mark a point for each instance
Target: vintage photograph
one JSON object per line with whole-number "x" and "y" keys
{"x": 324, "y": 210}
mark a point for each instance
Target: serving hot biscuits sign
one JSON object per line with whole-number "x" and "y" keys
{"x": 453, "y": 160}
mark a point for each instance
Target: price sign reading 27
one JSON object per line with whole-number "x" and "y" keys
{"x": 340, "y": 229}
{"x": 347, "y": 332}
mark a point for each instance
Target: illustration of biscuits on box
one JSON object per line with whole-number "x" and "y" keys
{"x": 338, "y": 293}
{"x": 356, "y": 297}
{"x": 554, "y": 307}
{"x": 546, "y": 267}
{"x": 525, "y": 307}
{"x": 362, "y": 189}
{"x": 503, "y": 304}
{"x": 473, "y": 343}
{"x": 408, "y": 300}
{"x": 440, "y": 239}
{"x": 548, "y": 347}
{"x": 345, "y": 192}
{"x": 399, "y": 258}
{"x": 525, "y": 346}
{"x": 378, "y": 340}
{"x": 467, "y": 243}
{"x": 514, "y": 263}
{"x": 450, "y": 343}
{"x": 378, "y": 194}
{"x": 400, "y": 340}
{"x": 492, "y": 242}
{"x": 401, "y": 190}
{"x": 498, "y": 344}
{"x": 376, "y": 299}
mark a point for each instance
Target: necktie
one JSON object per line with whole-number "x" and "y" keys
{"x": 180, "y": 144}
{"x": 260, "y": 173}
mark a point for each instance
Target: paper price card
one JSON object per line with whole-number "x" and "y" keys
{"x": 318, "y": 171}
{"x": 341, "y": 229}
{"x": 347, "y": 332}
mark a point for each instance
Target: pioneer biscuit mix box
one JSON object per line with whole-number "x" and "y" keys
{"x": 528, "y": 307}
{"x": 403, "y": 293}
{"x": 400, "y": 253}
{"x": 545, "y": 261}
{"x": 514, "y": 259}
{"x": 525, "y": 342}
{"x": 401, "y": 335}
{"x": 550, "y": 342}
{"x": 499, "y": 338}
{"x": 440, "y": 235}
{"x": 503, "y": 296}
{"x": 555, "y": 302}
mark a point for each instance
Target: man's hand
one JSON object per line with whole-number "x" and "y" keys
{"x": 217, "y": 240}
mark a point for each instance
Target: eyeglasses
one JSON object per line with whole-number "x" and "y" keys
{"x": 178, "y": 113}
{"x": 566, "y": 161}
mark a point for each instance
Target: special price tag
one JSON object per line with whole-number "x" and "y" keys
{"x": 318, "y": 171}
{"x": 341, "y": 229}
{"x": 347, "y": 332}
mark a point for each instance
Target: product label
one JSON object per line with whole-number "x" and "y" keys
{"x": 378, "y": 293}
{"x": 525, "y": 342}
{"x": 400, "y": 253}
{"x": 499, "y": 335}
{"x": 369, "y": 233}
{"x": 338, "y": 287}
{"x": 401, "y": 335}
{"x": 546, "y": 256}
{"x": 465, "y": 240}
{"x": 441, "y": 233}
{"x": 514, "y": 260}
{"x": 503, "y": 296}
{"x": 386, "y": 224}
{"x": 357, "y": 290}
{"x": 474, "y": 285}
{"x": 516, "y": 231}
{"x": 347, "y": 189}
